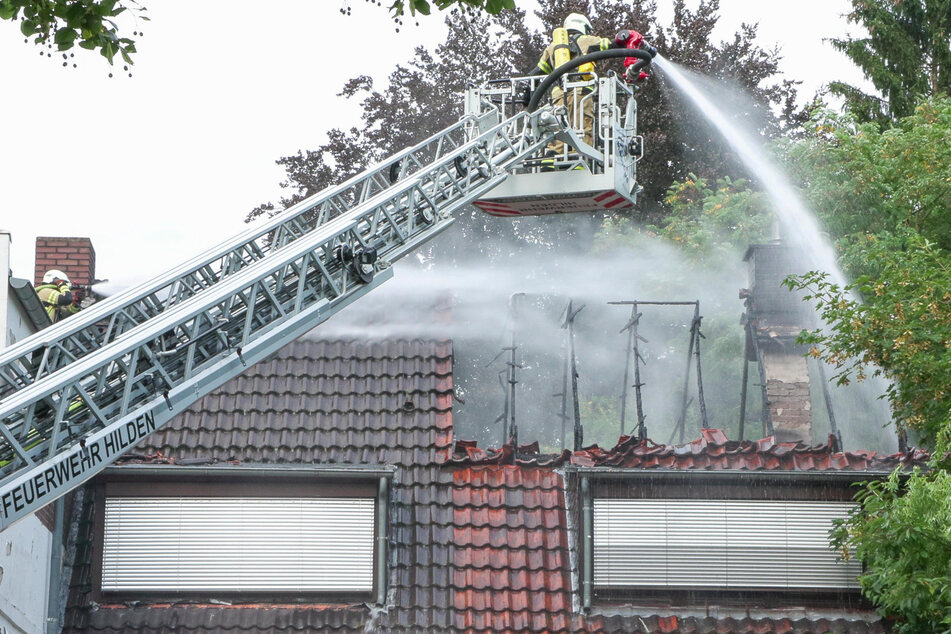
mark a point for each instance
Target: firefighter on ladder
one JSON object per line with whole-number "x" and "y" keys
{"x": 58, "y": 296}
{"x": 574, "y": 40}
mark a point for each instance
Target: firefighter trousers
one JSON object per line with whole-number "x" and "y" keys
{"x": 580, "y": 106}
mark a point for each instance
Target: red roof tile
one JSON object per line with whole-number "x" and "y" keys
{"x": 712, "y": 451}
{"x": 478, "y": 543}
{"x": 510, "y": 570}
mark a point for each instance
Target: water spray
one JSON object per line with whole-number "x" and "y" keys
{"x": 798, "y": 221}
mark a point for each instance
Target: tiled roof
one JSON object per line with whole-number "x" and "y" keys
{"x": 476, "y": 543}
{"x": 510, "y": 564}
{"x": 324, "y": 402}
{"x": 712, "y": 451}
{"x": 320, "y": 402}
{"x": 717, "y": 625}
{"x": 198, "y": 618}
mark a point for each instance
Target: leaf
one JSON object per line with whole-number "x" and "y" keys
{"x": 108, "y": 51}
{"x": 64, "y": 38}
{"x": 8, "y": 11}
{"x": 419, "y": 5}
{"x": 28, "y": 27}
{"x": 105, "y": 7}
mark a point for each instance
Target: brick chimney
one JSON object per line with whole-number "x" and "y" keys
{"x": 73, "y": 256}
{"x": 775, "y": 316}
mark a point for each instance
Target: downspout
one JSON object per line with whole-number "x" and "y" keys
{"x": 53, "y": 625}
{"x": 383, "y": 497}
{"x": 587, "y": 546}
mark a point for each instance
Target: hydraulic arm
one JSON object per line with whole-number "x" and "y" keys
{"x": 77, "y": 395}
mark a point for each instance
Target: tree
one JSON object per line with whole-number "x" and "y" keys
{"x": 399, "y": 7}
{"x": 901, "y": 531}
{"x": 887, "y": 198}
{"x": 867, "y": 183}
{"x": 89, "y": 24}
{"x": 423, "y": 97}
{"x": 906, "y": 55}
{"x": 901, "y": 329}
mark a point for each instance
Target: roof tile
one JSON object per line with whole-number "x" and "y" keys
{"x": 477, "y": 543}
{"x": 712, "y": 451}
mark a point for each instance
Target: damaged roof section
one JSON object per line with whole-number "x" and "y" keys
{"x": 476, "y": 543}
{"x": 712, "y": 451}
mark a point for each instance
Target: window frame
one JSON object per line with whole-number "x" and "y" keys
{"x": 601, "y": 482}
{"x": 242, "y": 481}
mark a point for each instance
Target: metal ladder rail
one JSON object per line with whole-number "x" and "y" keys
{"x": 128, "y": 389}
{"x": 50, "y": 350}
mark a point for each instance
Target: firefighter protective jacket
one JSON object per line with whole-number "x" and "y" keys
{"x": 579, "y": 45}
{"x": 57, "y": 300}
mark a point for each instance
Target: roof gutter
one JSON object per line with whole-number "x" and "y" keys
{"x": 348, "y": 472}
{"x": 612, "y": 473}
{"x": 30, "y": 301}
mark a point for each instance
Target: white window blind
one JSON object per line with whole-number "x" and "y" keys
{"x": 238, "y": 544}
{"x": 718, "y": 544}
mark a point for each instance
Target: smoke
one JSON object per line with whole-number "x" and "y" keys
{"x": 862, "y": 413}
{"x": 481, "y": 324}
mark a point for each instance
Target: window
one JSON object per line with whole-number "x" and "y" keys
{"x": 692, "y": 543}
{"x": 233, "y": 544}
{"x": 241, "y": 530}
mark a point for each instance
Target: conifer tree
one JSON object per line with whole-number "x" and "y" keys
{"x": 906, "y": 55}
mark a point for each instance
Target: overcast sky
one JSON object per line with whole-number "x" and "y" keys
{"x": 160, "y": 166}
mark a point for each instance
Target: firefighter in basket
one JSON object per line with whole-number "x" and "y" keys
{"x": 571, "y": 41}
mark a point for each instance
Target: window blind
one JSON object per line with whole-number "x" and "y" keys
{"x": 718, "y": 544}
{"x": 238, "y": 544}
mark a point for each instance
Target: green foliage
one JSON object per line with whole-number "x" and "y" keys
{"x": 494, "y": 7}
{"x": 901, "y": 530}
{"x": 906, "y": 54}
{"x": 707, "y": 221}
{"x": 89, "y": 24}
{"x": 885, "y": 196}
{"x": 865, "y": 182}
{"x": 903, "y": 327}
{"x": 601, "y": 417}
{"x": 713, "y": 223}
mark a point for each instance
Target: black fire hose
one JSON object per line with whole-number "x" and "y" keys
{"x": 644, "y": 59}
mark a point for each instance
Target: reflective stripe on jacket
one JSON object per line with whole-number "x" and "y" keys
{"x": 57, "y": 300}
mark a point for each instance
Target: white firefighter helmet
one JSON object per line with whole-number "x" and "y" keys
{"x": 55, "y": 274}
{"x": 578, "y": 22}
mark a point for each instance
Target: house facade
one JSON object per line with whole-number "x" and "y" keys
{"x": 29, "y": 545}
{"x": 324, "y": 490}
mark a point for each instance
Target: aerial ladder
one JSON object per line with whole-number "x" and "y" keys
{"x": 77, "y": 395}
